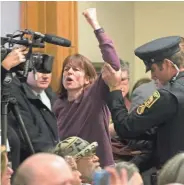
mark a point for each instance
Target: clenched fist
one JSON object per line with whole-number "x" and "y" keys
{"x": 91, "y": 16}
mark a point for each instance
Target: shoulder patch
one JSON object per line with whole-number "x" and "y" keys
{"x": 148, "y": 103}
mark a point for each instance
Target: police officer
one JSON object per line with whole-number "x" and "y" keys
{"x": 164, "y": 109}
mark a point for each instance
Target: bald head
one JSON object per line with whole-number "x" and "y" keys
{"x": 44, "y": 169}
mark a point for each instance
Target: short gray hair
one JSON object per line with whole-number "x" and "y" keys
{"x": 172, "y": 171}
{"x": 129, "y": 167}
{"x": 125, "y": 66}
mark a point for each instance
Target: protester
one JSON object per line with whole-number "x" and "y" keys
{"x": 81, "y": 109}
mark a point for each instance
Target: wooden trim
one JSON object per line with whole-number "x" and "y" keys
{"x": 54, "y": 17}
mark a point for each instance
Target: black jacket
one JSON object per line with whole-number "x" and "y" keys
{"x": 40, "y": 122}
{"x": 164, "y": 109}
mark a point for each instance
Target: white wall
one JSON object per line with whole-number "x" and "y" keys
{"x": 130, "y": 24}
{"x": 154, "y": 20}
{"x": 10, "y": 17}
{"x": 117, "y": 18}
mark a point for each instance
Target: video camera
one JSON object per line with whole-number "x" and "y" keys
{"x": 34, "y": 61}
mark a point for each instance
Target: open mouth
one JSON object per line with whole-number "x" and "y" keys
{"x": 69, "y": 79}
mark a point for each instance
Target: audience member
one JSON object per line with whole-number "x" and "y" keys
{"x": 125, "y": 76}
{"x": 132, "y": 172}
{"x": 34, "y": 98}
{"x": 172, "y": 171}
{"x": 81, "y": 109}
{"x": 182, "y": 44}
{"x": 6, "y": 171}
{"x": 121, "y": 178}
{"x": 42, "y": 168}
{"x": 84, "y": 154}
{"x": 125, "y": 73}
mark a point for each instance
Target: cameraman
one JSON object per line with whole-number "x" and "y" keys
{"x": 34, "y": 98}
{"x": 14, "y": 58}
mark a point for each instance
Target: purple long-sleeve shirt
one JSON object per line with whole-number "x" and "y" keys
{"x": 88, "y": 116}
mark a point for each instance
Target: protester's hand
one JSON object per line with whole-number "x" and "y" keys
{"x": 111, "y": 77}
{"x": 122, "y": 179}
{"x": 115, "y": 178}
{"x": 91, "y": 16}
{"x": 14, "y": 58}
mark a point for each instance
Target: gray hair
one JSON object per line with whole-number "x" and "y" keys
{"x": 125, "y": 66}
{"x": 172, "y": 171}
{"x": 130, "y": 167}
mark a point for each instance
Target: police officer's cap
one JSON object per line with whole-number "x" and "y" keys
{"x": 157, "y": 50}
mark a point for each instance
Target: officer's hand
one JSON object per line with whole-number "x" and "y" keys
{"x": 14, "y": 58}
{"x": 111, "y": 77}
{"x": 91, "y": 17}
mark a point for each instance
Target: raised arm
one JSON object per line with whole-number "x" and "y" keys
{"x": 108, "y": 51}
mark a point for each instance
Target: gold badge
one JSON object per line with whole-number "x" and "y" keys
{"x": 148, "y": 103}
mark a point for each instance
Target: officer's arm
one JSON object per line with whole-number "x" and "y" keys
{"x": 159, "y": 108}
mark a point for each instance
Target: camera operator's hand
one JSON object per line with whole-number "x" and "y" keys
{"x": 14, "y": 58}
{"x": 91, "y": 16}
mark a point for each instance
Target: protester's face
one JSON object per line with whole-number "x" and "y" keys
{"x": 6, "y": 176}
{"x": 39, "y": 81}
{"x": 87, "y": 166}
{"x": 74, "y": 77}
{"x": 161, "y": 74}
{"x": 124, "y": 83}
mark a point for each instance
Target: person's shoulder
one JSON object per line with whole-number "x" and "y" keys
{"x": 144, "y": 91}
{"x": 150, "y": 87}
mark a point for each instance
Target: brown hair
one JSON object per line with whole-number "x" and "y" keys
{"x": 85, "y": 64}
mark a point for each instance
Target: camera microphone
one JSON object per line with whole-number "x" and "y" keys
{"x": 24, "y": 42}
{"x": 52, "y": 39}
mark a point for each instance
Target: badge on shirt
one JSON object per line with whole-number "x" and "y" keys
{"x": 148, "y": 103}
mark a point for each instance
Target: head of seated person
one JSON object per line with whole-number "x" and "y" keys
{"x": 132, "y": 172}
{"x": 43, "y": 168}
{"x": 172, "y": 171}
{"x": 84, "y": 154}
{"x": 6, "y": 171}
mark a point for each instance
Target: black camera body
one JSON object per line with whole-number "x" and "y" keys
{"x": 34, "y": 61}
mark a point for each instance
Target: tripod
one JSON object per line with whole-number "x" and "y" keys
{"x": 9, "y": 103}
